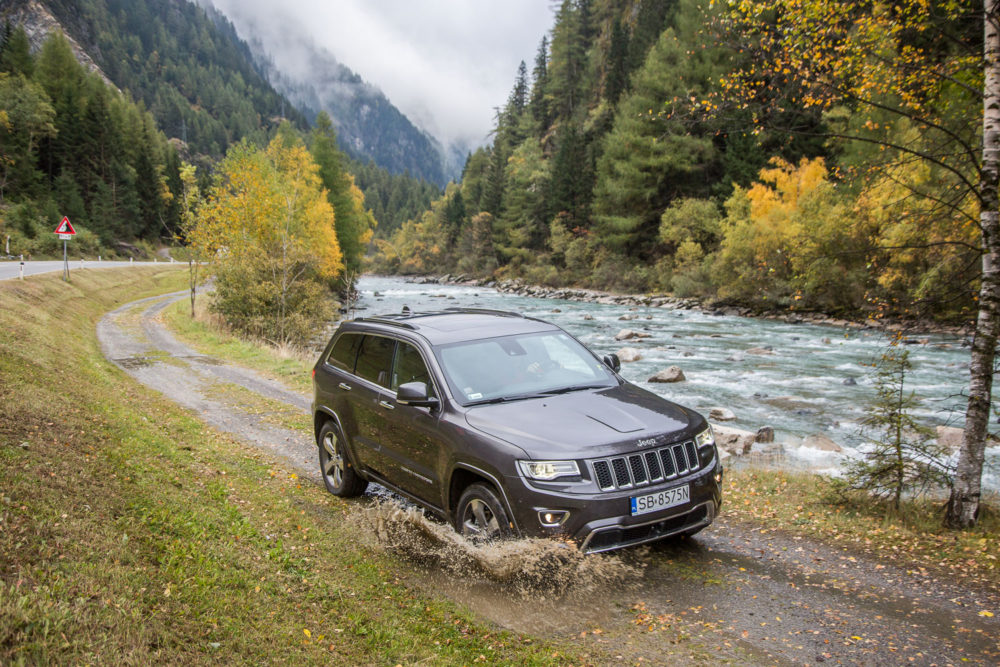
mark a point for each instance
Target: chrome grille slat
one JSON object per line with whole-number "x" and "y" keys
{"x": 645, "y": 468}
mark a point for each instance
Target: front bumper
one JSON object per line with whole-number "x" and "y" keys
{"x": 603, "y": 521}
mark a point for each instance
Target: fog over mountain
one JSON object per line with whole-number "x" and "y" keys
{"x": 368, "y": 125}
{"x": 446, "y": 64}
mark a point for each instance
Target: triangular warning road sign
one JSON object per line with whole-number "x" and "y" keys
{"x": 65, "y": 227}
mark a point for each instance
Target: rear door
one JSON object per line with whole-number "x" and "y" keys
{"x": 368, "y": 395}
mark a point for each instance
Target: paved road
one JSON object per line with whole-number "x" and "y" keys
{"x": 10, "y": 268}
{"x": 742, "y": 592}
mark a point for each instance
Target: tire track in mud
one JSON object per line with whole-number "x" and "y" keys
{"x": 736, "y": 593}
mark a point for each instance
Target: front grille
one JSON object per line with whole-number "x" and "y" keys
{"x": 652, "y": 467}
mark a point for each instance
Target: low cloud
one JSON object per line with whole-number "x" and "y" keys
{"x": 446, "y": 64}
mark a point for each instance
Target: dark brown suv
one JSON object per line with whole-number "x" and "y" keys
{"x": 507, "y": 425}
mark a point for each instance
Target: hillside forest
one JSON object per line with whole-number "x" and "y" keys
{"x": 105, "y": 148}
{"x": 665, "y": 145}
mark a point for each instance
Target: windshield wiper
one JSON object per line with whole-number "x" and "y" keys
{"x": 571, "y": 388}
{"x": 505, "y": 399}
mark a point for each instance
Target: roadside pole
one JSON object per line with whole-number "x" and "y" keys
{"x": 66, "y": 232}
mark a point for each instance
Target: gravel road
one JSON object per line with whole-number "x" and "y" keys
{"x": 745, "y": 593}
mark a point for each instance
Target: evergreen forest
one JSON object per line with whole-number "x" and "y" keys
{"x": 665, "y": 146}
{"x": 105, "y": 148}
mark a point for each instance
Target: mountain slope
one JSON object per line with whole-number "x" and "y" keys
{"x": 368, "y": 125}
{"x": 185, "y": 63}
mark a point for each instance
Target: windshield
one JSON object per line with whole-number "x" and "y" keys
{"x": 520, "y": 366}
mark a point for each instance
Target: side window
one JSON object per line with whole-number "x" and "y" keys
{"x": 345, "y": 351}
{"x": 375, "y": 359}
{"x": 409, "y": 367}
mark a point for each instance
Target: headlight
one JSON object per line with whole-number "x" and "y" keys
{"x": 549, "y": 470}
{"x": 705, "y": 442}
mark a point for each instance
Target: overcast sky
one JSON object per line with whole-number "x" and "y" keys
{"x": 444, "y": 63}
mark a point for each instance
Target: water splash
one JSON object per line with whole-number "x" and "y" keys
{"x": 528, "y": 567}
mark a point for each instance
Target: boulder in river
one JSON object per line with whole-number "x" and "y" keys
{"x": 627, "y": 354}
{"x": 672, "y": 374}
{"x": 733, "y": 440}
{"x": 822, "y": 443}
{"x": 950, "y": 437}
{"x": 629, "y": 334}
{"x": 588, "y": 317}
{"x": 760, "y": 350}
{"x": 735, "y": 356}
{"x": 721, "y": 414}
{"x": 627, "y": 317}
{"x": 764, "y": 434}
{"x": 850, "y": 382}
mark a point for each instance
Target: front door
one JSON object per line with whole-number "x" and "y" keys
{"x": 410, "y": 438}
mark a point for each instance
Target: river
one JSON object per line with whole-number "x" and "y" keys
{"x": 816, "y": 380}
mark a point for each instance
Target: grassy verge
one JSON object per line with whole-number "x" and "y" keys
{"x": 204, "y": 334}
{"x": 912, "y": 538}
{"x": 131, "y": 533}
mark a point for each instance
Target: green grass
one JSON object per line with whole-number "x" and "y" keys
{"x": 205, "y": 335}
{"x": 132, "y": 533}
{"x": 267, "y": 410}
{"x": 913, "y": 537}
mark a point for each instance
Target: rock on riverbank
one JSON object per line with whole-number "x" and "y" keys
{"x": 688, "y": 303}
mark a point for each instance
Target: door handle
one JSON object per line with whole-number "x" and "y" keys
{"x": 344, "y": 386}
{"x": 387, "y": 405}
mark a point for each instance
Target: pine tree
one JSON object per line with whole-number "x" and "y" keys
{"x": 15, "y": 54}
{"x": 617, "y": 66}
{"x": 903, "y": 458}
{"x": 538, "y": 105}
{"x": 353, "y": 223}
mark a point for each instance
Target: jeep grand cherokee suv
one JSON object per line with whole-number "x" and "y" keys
{"x": 507, "y": 425}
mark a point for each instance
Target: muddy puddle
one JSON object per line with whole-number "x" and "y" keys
{"x": 527, "y": 585}
{"x": 131, "y": 363}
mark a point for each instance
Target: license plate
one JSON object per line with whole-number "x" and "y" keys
{"x": 660, "y": 500}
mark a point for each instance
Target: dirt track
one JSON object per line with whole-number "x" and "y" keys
{"x": 739, "y": 593}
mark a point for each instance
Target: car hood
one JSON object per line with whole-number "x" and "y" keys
{"x": 585, "y": 424}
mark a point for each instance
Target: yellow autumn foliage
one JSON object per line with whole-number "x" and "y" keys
{"x": 271, "y": 227}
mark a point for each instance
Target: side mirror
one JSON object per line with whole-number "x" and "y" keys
{"x": 613, "y": 362}
{"x": 415, "y": 394}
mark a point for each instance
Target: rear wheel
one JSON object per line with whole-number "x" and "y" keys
{"x": 480, "y": 516}
{"x": 339, "y": 476}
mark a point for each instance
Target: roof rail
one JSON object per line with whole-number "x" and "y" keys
{"x": 381, "y": 319}
{"x": 484, "y": 311}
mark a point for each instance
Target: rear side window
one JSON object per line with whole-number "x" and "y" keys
{"x": 375, "y": 359}
{"x": 345, "y": 351}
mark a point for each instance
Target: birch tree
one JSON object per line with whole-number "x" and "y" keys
{"x": 901, "y": 65}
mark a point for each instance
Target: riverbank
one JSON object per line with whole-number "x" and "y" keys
{"x": 908, "y": 328}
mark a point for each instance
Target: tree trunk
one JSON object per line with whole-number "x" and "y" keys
{"x": 963, "y": 506}
{"x": 192, "y": 279}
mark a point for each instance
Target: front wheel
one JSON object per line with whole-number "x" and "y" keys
{"x": 480, "y": 516}
{"x": 339, "y": 476}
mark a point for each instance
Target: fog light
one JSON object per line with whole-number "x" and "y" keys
{"x": 552, "y": 518}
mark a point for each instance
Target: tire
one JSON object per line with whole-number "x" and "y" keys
{"x": 480, "y": 515}
{"x": 339, "y": 475}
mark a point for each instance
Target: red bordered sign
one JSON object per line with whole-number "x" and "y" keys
{"x": 65, "y": 227}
